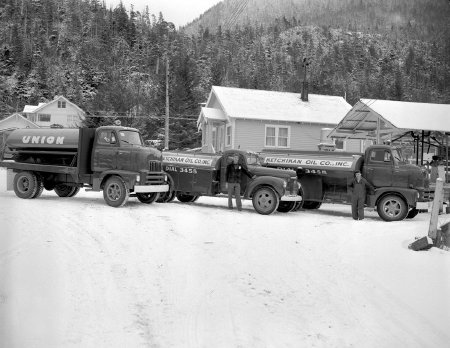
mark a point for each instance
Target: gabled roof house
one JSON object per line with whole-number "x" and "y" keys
{"x": 257, "y": 120}
{"x": 59, "y": 111}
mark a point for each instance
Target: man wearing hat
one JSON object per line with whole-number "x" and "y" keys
{"x": 358, "y": 187}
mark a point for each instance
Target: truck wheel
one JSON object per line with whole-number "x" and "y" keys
{"x": 183, "y": 198}
{"x": 115, "y": 192}
{"x": 265, "y": 200}
{"x": 74, "y": 191}
{"x": 285, "y": 207}
{"x": 147, "y": 198}
{"x": 412, "y": 213}
{"x": 40, "y": 185}
{"x": 63, "y": 190}
{"x": 166, "y": 197}
{"x": 26, "y": 185}
{"x": 392, "y": 208}
{"x": 311, "y": 205}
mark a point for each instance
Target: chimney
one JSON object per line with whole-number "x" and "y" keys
{"x": 305, "y": 91}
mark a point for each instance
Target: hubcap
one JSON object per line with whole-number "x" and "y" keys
{"x": 265, "y": 200}
{"x": 392, "y": 208}
{"x": 24, "y": 185}
{"x": 114, "y": 192}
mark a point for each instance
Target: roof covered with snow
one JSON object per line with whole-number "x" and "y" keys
{"x": 281, "y": 106}
{"x": 392, "y": 117}
{"x": 16, "y": 121}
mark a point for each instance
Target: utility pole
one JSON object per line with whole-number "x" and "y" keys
{"x": 166, "y": 137}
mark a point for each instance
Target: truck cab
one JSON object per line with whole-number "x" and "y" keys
{"x": 196, "y": 174}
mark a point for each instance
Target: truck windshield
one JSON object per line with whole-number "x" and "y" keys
{"x": 253, "y": 159}
{"x": 130, "y": 138}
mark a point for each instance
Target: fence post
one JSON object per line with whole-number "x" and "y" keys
{"x": 437, "y": 202}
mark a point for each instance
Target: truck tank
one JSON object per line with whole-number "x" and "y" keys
{"x": 43, "y": 139}
{"x": 43, "y": 146}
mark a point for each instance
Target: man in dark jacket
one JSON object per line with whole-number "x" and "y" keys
{"x": 233, "y": 176}
{"x": 358, "y": 188}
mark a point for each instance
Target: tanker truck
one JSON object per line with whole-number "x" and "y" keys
{"x": 325, "y": 176}
{"x": 199, "y": 174}
{"x": 111, "y": 159}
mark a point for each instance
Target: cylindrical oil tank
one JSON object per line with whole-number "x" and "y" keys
{"x": 44, "y": 139}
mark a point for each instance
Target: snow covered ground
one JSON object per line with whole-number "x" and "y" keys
{"x": 75, "y": 272}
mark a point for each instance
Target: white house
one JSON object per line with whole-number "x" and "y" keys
{"x": 60, "y": 111}
{"x": 10, "y": 123}
{"x": 258, "y": 120}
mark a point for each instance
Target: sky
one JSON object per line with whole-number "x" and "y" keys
{"x": 179, "y": 12}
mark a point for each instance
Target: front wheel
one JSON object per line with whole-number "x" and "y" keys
{"x": 26, "y": 185}
{"x": 147, "y": 198}
{"x": 115, "y": 192}
{"x": 392, "y": 208}
{"x": 265, "y": 200}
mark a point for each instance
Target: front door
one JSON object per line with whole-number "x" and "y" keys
{"x": 106, "y": 151}
{"x": 379, "y": 168}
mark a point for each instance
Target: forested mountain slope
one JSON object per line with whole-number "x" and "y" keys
{"x": 113, "y": 62}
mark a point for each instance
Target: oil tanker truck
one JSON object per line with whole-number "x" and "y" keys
{"x": 200, "y": 174}
{"x": 325, "y": 176}
{"x": 111, "y": 159}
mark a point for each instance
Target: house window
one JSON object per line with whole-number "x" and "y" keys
{"x": 339, "y": 144}
{"x": 31, "y": 117}
{"x": 228, "y": 136}
{"x": 214, "y": 138}
{"x": 72, "y": 118}
{"x": 61, "y": 104}
{"x": 44, "y": 117}
{"x": 277, "y": 136}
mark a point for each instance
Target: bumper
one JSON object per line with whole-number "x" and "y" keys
{"x": 151, "y": 188}
{"x": 422, "y": 205}
{"x": 291, "y": 198}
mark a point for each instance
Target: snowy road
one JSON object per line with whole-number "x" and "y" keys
{"x": 77, "y": 273}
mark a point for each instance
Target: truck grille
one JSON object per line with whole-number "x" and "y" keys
{"x": 155, "y": 166}
{"x": 154, "y": 179}
{"x": 292, "y": 187}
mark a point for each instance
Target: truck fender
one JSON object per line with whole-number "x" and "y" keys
{"x": 128, "y": 176}
{"x": 409, "y": 195}
{"x": 274, "y": 182}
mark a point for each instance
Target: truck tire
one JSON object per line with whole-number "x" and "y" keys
{"x": 183, "y": 198}
{"x": 166, "y": 197}
{"x": 412, "y": 213}
{"x": 26, "y": 185}
{"x": 392, "y": 208}
{"x": 285, "y": 207}
{"x": 310, "y": 205}
{"x": 115, "y": 192}
{"x": 63, "y": 190}
{"x": 147, "y": 198}
{"x": 40, "y": 184}
{"x": 74, "y": 191}
{"x": 265, "y": 200}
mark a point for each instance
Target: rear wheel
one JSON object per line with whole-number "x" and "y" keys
{"x": 184, "y": 198}
{"x": 26, "y": 185}
{"x": 311, "y": 205}
{"x": 40, "y": 185}
{"x": 392, "y": 208}
{"x": 265, "y": 200}
{"x": 166, "y": 197}
{"x": 115, "y": 192}
{"x": 285, "y": 207}
{"x": 147, "y": 198}
{"x": 63, "y": 190}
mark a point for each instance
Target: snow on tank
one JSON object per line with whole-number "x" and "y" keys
{"x": 49, "y": 139}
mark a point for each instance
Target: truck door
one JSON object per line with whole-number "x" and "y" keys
{"x": 105, "y": 151}
{"x": 379, "y": 167}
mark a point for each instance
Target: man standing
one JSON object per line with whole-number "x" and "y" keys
{"x": 358, "y": 188}
{"x": 233, "y": 176}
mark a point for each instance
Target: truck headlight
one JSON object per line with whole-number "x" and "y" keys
{"x": 138, "y": 178}
{"x": 284, "y": 184}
